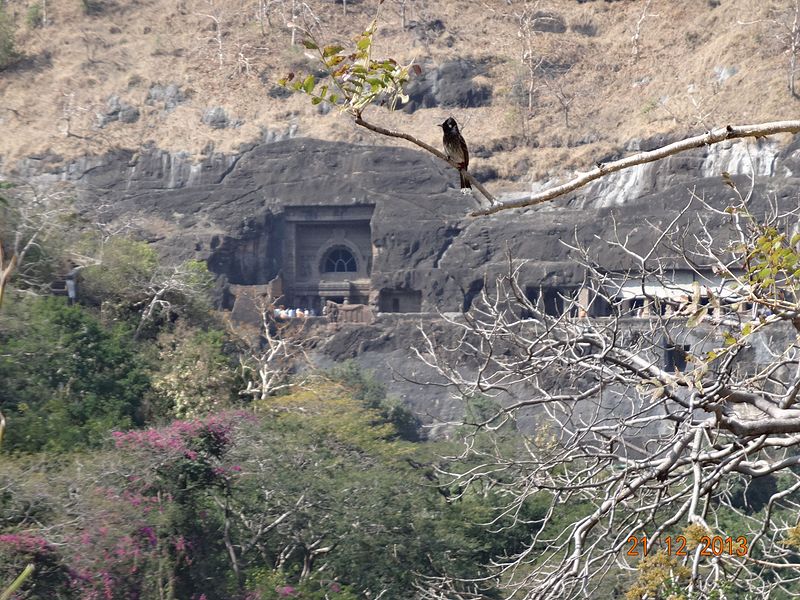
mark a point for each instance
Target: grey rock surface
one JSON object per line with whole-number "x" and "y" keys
{"x": 452, "y": 84}
{"x": 167, "y": 97}
{"x": 229, "y": 210}
{"x": 117, "y": 110}
{"x": 216, "y": 118}
{"x": 548, "y": 22}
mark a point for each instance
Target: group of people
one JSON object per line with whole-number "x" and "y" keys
{"x": 294, "y": 313}
{"x": 330, "y": 310}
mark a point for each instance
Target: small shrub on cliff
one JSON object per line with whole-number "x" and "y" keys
{"x": 35, "y": 16}
{"x": 8, "y": 53}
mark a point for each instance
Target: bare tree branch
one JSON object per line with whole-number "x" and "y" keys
{"x": 405, "y": 136}
{"x": 731, "y": 132}
{"x": 660, "y": 402}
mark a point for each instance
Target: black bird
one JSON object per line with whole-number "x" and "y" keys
{"x": 456, "y": 149}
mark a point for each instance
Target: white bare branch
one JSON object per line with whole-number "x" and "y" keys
{"x": 715, "y": 136}
{"x": 648, "y": 413}
{"x": 270, "y": 352}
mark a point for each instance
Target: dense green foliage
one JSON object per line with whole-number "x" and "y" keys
{"x": 141, "y": 347}
{"x": 313, "y": 495}
{"x": 326, "y": 492}
{"x": 67, "y": 380}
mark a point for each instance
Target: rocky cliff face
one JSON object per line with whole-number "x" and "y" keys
{"x": 229, "y": 211}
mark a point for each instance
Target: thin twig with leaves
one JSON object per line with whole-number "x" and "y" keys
{"x": 357, "y": 81}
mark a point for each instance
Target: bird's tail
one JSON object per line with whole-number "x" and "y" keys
{"x": 464, "y": 181}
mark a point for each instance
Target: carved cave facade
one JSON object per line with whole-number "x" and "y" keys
{"x": 327, "y": 255}
{"x": 305, "y": 256}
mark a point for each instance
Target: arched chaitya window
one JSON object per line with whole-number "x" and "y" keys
{"x": 339, "y": 260}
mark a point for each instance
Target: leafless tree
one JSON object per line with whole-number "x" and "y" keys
{"x": 556, "y": 86}
{"x": 637, "y": 30}
{"x": 244, "y": 56}
{"x": 264, "y": 11}
{"x": 791, "y": 40}
{"x": 784, "y": 24}
{"x": 301, "y": 18}
{"x": 540, "y": 71}
{"x": 186, "y": 281}
{"x": 28, "y": 216}
{"x": 270, "y": 351}
{"x": 214, "y": 13}
{"x": 670, "y": 420}
{"x": 402, "y": 8}
{"x": 531, "y": 57}
{"x": 70, "y": 113}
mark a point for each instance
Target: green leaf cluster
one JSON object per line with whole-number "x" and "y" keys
{"x": 773, "y": 262}
{"x": 770, "y": 259}
{"x": 356, "y": 79}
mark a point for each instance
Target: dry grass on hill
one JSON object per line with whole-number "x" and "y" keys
{"x": 695, "y": 64}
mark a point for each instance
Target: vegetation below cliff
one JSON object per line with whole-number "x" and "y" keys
{"x": 131, "y": 468}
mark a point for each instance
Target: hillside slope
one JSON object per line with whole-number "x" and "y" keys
{"x": 97, "y": 76}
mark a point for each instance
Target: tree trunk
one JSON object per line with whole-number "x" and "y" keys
{"x": 5, "y": 274}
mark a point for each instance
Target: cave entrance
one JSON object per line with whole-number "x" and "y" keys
{"x": 553, "y": 301}
{"x": 327, "y": 255}
{"x": 400, "y": 301}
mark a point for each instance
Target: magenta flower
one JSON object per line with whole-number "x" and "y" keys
{"x": 24, "y": 542}
{"x": 149, "y": 534}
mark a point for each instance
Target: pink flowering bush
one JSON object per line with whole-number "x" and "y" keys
{"x": 273, "y": 585}
{"x": 184, "y": 463}
{"x": 184, "y": 456}
{"x": 142, "y": 530}
{"x": 285, "y": 505}
{"x": 20, "y": 549}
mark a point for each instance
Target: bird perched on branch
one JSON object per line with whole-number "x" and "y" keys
{"x": 456, "y": 149}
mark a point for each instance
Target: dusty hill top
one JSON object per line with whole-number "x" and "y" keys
{"x": 191, "y": 75}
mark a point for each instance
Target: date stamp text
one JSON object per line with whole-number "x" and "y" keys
{"x": 709, "y": 545}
